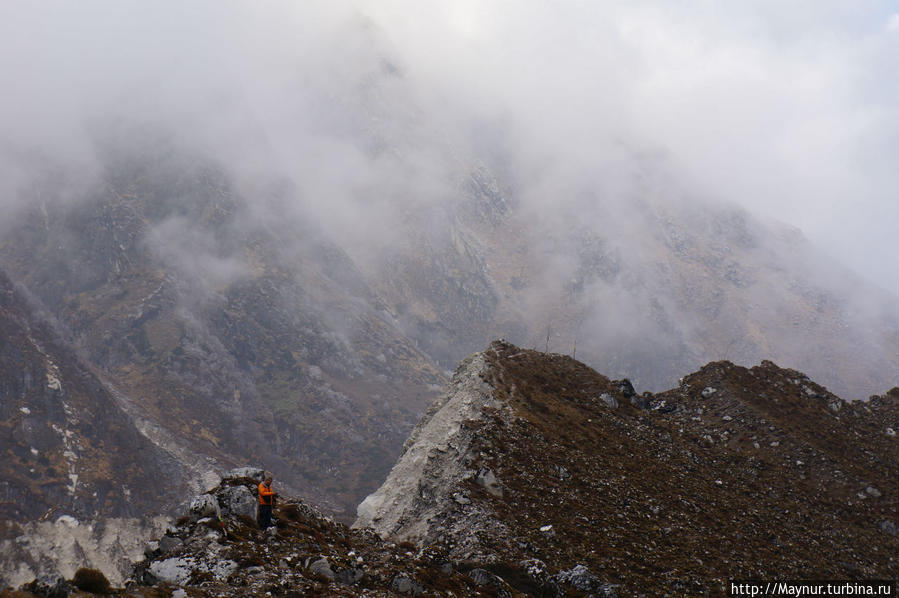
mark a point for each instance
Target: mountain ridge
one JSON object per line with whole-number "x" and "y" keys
{"x": 534, "y": 475}
{"x": 738, "y": 473}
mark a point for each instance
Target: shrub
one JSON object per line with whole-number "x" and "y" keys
{"x": 291, "y": 512}
{"x": 91, "y": 580}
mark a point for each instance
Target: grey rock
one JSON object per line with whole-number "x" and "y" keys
{"x": 461, "y": 499}
{"x": 49, "y": 587}
{"x": 487, "y": 479}
{"x": 542, "y": 582}
{"x": 873, "y": 492}
{"x": 204, "y": 505}
{"x": 484, "y": 578}
{"x": 888, "y": 527}
{"x": 580, "y": 578}
{"x": 446, "y": 568}
{"x": 175, "y": 570}
{"x": 322, "y": 567}
{"x": 349, "y": 577}
{"x": 609, "y": 400}
{"x": 245, "y": 472}
{"x": 405, "y": 585}
{"x": 237, "y": 500}
{"x": 640, "y": 402}
{"x": 222, "y": 570}
{"x": 563, "y": 473}
{"x": 625, "y": 388}
{"x": 534, "y": 568}
{"x": 708, "y": 391}
{"x": 151, "y": 549}
{"x": 169, "y": 544}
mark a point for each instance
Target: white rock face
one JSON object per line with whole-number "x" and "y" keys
{"x": 423, "y": 486}
{"x": 60, "y": 547}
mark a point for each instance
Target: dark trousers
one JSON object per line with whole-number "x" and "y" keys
{"x": 265, "y": 516}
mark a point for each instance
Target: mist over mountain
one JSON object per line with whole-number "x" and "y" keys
{"x": 268, "y": 235}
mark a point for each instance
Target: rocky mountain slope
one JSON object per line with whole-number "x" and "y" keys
{"x": 71, "y": 451}
{"x": 534, "y": 475}
{"x": 69, "y": 445}
{"x": 237, "y": 326}
{"x": 216, "y": 549}
{"x": 233, "y": 341}
{"x": 737, "y": 473}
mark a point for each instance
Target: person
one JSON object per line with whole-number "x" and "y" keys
{"x": 266, "y": 502}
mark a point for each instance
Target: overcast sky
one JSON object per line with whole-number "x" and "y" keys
{"x": 788, "y": 108}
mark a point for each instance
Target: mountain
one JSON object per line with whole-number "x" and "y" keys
{"x": 226, "y": 335}
{"x": 738, "y": 473}
{"x": 534, "y": 475}
{"x": 73, "y": 450}
{"x": 69, "y": 442}
{"x": 239, "y": 325}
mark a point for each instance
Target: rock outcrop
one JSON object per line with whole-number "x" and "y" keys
{"x": 439, "y": 460}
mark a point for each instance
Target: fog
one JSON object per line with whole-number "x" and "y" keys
{"x": 786, "y": 110}
{"x": 349, "y": 116}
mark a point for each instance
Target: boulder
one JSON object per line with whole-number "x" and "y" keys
{"x": 405, "y": 585}
{"x": 640, "y": 402}
{"x": 237, "y": 500}
{"x": 322, "y": 567}
{"x": 350, "y": 576}
{"x": 582, "y": 579}
{"x": 484, "y": 578}
{"x": 221, "y": 570}
{"x": 175, "y": 570}
{"x": 609, "y": 400}
{"x": 205, "y": 505}
{"x": 151, "y": 549}
{"x": 625, "y": 388}
{"x": 539, "y": 580}
{"x": 487, "y": 479}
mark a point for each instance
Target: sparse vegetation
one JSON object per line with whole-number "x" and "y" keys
{"x": 91, "y": 580}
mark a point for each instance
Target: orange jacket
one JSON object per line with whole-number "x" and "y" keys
{"x": 266, "y": 494}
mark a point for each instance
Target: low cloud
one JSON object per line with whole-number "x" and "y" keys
{"x": 366, "y": 110}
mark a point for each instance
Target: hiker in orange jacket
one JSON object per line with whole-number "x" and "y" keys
{"x": 266, "y": 502}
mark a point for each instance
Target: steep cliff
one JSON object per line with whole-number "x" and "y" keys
{"x": 70, "y": 448}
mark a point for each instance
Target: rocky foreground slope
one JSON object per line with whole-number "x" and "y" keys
{"x": 738, "y": 473}
{"x": 536, "y": 476}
